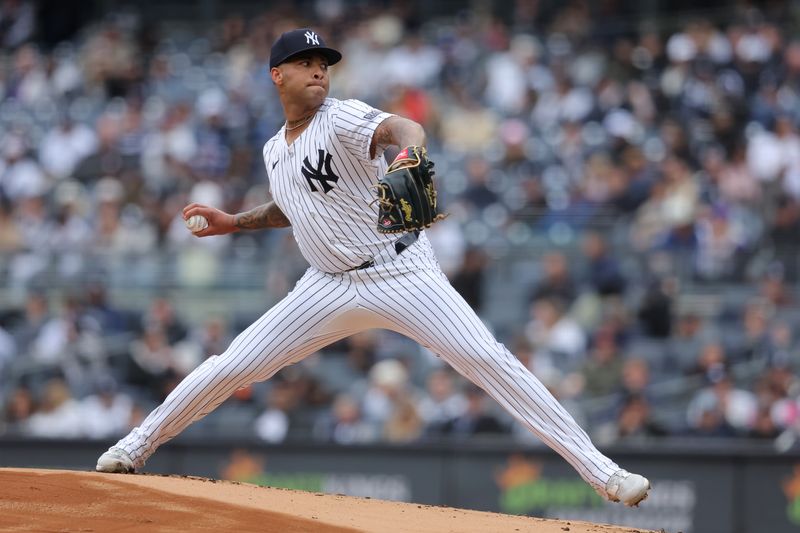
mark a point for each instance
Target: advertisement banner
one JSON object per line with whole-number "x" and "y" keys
{"x": 747, "y": 492}
{"x": 771, "y": 493}
{"x": 383, "y": 475}
{"x": 690, "y": 497}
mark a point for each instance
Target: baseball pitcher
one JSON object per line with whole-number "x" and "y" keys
{"x": 360, "y": 224}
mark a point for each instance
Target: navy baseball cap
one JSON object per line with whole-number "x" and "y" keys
{"x": 298, "y": 41}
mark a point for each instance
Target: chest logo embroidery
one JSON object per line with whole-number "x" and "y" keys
{"x": 316, "y": 173}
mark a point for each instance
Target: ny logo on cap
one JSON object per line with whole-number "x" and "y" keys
{"x": 312, "y": 38}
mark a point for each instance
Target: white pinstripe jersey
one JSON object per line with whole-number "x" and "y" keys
{"x": 323, "y": 182}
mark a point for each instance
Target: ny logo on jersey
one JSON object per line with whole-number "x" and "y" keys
{"x": 312, "y": 173}
{"x": 312, "y": 38}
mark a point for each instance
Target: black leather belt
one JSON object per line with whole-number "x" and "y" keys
{"x": 399, "y": 246}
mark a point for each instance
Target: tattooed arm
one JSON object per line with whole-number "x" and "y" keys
{"x": 398, "y": 131}
{"x": 266, "y": 215}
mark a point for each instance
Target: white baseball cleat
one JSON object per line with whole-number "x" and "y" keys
{"x": 627, "y": 488}
{"x": 115, "y": 461}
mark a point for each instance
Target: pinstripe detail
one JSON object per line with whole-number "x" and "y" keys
{"x": 463, "y": 341}
{"x": 285, "y": 334}
{"x": 415, "y": 287}
{"x": 336, "y": 230}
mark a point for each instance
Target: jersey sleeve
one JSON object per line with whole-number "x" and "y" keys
{"x": 265, "y": 154}
{"x": 354, "y": 125}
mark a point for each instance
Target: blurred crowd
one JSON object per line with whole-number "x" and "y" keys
{"x": 623, "y": 207}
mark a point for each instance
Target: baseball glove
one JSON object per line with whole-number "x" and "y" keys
{"x": 406, "y": 194}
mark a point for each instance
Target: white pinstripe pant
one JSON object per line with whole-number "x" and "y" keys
{"x": 410, "y": 296}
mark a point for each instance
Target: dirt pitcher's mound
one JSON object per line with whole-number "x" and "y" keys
{"x": 59, "y": 500}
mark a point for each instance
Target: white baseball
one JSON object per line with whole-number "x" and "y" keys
{"x": 196, "y": 223}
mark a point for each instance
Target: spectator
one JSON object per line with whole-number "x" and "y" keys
{"x": 151, "y": 364}
{"x": 509, "y": 77}
{"x": 27, "y": 328}
{"x": 736, "y": 182}
{"x": 101, "y": 156}
{"x": 71, "y": 233}
{"x": 764, "y": 426}
{"x": 635, "y": 422}
{"x": 555, "y": 335}
{"x": 17, "y": 22}
{"x": 774, "y": 289}
{"x": 167, "y": 152}
{"x": 721, "y": 409}
{"x": 666, "y": 219}
{"x": 65, "y": 146}
{"x": 476, "y": 420}
{"x": 754, "y": 342}
{"x": 686, "y": 342}
{"x": 36, "y": 228}
{"x": 783, "y": 226}
{"x": 630, "y": 187}
{"x": 780, "y": 351}
{"x": 106, "y": 412}
{"x": 388, "y": 382}
{"x": 479, "y": 194}
{"x": 419, "y": 63}
{"x": 162, "y": 315}
{"x": 413, "y": 103}
{"x": 556, "y": 280}
{"x": 213, "y": 136}
{"x": 17, "y": 409}
{"x": 635, "y": 376}
{"x": 772, "y": 157}
{"x": 27, "y": 81}
{"x": 466, "y": 125}
{"x": 776, "y": 391}
{"x": 603, "y": 271}
{"x": 655, "y": 309}
{"x": 602, "y": 372}
{"x": 59, "y": 414}
{"x": 442, "y": 402}
{"x": 404, "y": 424}
{"x": 115, "y": 233}
{"x": 110, "y": 319}
{"x": 274, "y": 423}
{"x": 8, "y": 349}
{"x": 720, "y": 243}
{"x": 110, "y": 60}
{"x": 469, "y": 279}
{"x": 346, "y": 426}
{"x": 11, "y": 240}
{"x": 711, "y": 362}
{"x": 20, "y": 175}
{"x": 567, "y": 102}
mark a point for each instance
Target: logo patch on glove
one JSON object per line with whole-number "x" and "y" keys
{"x": 406, "y": 208}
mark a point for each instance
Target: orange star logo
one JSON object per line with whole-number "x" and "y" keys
{"x": 243, "y": 466}
{"x": 518, "y": 472}
{"x": 791, "y": 487}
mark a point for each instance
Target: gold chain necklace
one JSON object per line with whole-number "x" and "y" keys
{"x": 309, "y": 117}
